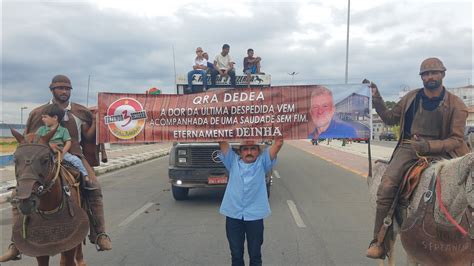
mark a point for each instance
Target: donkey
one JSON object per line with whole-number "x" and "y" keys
{"x": 51, "y": 220}
{"x": 457, "y": 193}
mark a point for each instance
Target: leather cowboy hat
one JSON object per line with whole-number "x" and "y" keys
{"x": 60, "y": 81}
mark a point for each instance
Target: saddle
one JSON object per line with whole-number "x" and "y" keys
{"x": 405, "y": 190}
{"x": 436, "y": 244}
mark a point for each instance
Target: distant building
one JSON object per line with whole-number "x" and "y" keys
{"x": 353, "y": 108}
{"x": 465, "y": 93}
{"x": 470, "y": 117}
{"x": 379, "y": 126}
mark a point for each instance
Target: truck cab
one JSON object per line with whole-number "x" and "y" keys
{"x": 196, "y": 165}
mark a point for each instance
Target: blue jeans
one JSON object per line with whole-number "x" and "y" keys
{"x": 214, "y": 74}
{"x": 251, "y": 70}
{"x": 236, "y": 231}
{"x": 76, "y": 161}
{"x": 203, "y": 75}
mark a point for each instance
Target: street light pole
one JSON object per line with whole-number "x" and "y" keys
{"x": 88, "y": 84}
{"x": 347, "y": 39}
{"x": 293, "y": 74}
{"x": 21, "y": 115}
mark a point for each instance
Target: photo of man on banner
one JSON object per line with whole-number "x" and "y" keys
{"x": 326, "y": 125}
{"x": 259, "y": 114}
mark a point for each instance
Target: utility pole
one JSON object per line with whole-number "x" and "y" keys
{"x": 174, "y": 67}
{"x": 347, "y": 39}
{"x": 88, "y": 85}
{"x": 21, "y": 115}
{"x": 293, "y": 74}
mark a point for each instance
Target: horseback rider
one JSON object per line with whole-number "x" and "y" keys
{"x": 432, "y": 122}
{"x": 81, "y": 125}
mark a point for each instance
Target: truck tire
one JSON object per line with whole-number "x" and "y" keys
{"x": 180, "y": 193}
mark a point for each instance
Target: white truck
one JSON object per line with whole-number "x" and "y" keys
{"x": 196, "y": 165}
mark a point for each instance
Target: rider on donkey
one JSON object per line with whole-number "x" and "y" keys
{"x": 432, "y": 122}
{"x": 81, "y": 125}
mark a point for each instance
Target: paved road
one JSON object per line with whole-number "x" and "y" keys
{"x": 320, "y": 216}
{"x": 385, "y": 143}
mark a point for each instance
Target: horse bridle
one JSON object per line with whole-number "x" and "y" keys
{"x": 44, "y": 187}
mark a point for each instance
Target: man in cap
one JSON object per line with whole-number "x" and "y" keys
{"x": 245, "y": 202}
{"x": 438, "y": 133}
{"x": 81, "y": 125}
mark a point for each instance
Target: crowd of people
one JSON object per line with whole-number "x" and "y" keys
{"x": 222, "y": 65}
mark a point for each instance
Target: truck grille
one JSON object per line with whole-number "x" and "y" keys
{"x": 202, "y": 157}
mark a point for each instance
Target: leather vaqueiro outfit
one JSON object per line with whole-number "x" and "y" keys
{"x": 442, "y": 128}
{"x": 87, "y": 151}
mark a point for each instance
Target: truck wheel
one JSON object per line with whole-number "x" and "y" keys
{"x": 180, "y": 193}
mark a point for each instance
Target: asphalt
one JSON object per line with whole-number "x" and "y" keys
{"x": 121, "y": 156}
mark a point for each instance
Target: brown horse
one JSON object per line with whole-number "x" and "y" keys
{"x": 457, "y": 193}
{"x": 51, "y": 220}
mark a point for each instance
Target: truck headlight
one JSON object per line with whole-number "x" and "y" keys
{"x": 182, "y": 152}
{"x": 182, "y": 160}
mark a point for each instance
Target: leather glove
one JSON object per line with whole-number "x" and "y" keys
{"x": 373, "y": 86}
{"x": 420, "y": 145}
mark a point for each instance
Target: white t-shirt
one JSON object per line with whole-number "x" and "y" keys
{"x": 223, "y": 61}
{"x": 200, "y": 62}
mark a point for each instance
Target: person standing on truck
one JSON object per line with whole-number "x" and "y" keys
{"x": 245, "y": 202}
{"x": 199, "y": 67}
{"x": 223, "y": 66}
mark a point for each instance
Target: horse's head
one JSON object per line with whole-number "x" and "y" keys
{"x": 33, "y": 162}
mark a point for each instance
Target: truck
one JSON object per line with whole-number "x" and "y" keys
{"x": 197, "y": 165}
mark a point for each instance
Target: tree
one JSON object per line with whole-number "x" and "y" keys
{"x": 390, "y": 104}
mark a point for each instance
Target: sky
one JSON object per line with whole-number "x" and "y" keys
{"x": 131, "y": 46}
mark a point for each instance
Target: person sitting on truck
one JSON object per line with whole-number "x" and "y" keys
{"x": 245, "y": 202}
{"x": 223, "y": 66}
{"x": 251, "y": 64}
{"x": 210, "y": 66}
{"x": 199, "y": 67}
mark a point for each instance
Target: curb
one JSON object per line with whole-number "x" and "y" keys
{"x": 114, "y": 164}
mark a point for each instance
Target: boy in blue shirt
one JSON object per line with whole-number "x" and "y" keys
{"x": 245, "y": 202}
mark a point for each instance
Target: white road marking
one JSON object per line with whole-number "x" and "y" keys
{"x": 135, "y": 214}
{"x": 296, "y": 214}
{"x": 275, "y": 172}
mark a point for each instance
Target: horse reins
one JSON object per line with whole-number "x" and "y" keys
{"x": 41, "y": 190}
{"x": 444, "y": 210}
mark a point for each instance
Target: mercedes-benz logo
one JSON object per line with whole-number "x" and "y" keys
{"x": 215, "y": 157}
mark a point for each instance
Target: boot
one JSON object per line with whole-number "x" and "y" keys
{"x": 90, "y": 185}
{"x": 97, "y": 231}
{"x": 376, "y": 250}
{"x": 12, "y": 254}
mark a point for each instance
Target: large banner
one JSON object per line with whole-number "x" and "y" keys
{"x": 289, "y": 112}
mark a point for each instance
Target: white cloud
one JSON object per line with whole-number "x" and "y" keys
{"x": 128, "y": 45}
